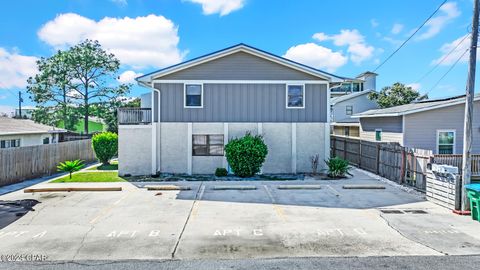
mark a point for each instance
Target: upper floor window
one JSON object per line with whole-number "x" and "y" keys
{"x": 10, "y": 143}
{"x": 446, "y": 142}
{"x": 295, "y": 96}
{"x": 349, "y": 110}
{"x": 193, "y": 96}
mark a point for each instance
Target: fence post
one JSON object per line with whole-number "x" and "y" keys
{"x": 360, "y": 154}
{"x": 345, "y": 148}
{"x": 403, "y": 166}
{"x": 378, "y": 159}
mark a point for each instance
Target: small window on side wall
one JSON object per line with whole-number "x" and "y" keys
{"x": 446, "y": 142}
{"x": 193, "y": 96}
{"x": 295, "y": 96}
{"x": 207, "y": 145}
{"x": 349, "y": 110}
{"x": 378, "y": 135}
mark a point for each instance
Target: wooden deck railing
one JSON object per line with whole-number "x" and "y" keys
{"x": 134, "y": 116}
{"x": 456, "y": 160}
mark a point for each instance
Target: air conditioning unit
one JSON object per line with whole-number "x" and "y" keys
{"x": 444, "y": 169}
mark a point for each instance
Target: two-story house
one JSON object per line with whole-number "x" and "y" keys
{"x": 197, "y": 106}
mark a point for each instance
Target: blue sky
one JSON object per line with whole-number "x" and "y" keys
{"x": 345, "y": 37}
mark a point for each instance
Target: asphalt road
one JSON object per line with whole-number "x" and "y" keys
{"x": 400, "y": 262}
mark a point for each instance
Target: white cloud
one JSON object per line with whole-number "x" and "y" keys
{"x": 128, "y": 76}
{"x": 223, "y": 7}
{"x": 415, "y": 86}
{"x": 397, "y": 28}
{"x": 374, "y": 23}
{"x": 358, "y": 49}
{"x": 120, "y": 2}
{"x": 457, "y": 53}
{"x": 449, "y": 11}
{"x": 316, "y": 56}
{"x": 149, "y": 41}
{"x": 15, "y": 69}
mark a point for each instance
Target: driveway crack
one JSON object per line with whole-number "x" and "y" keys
{"x": 82, "y": 242}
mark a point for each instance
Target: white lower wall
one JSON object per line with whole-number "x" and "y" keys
{"x": 134, "y": 150}
{"x": 175, "y": 156}
{"x": 31, "y": 139}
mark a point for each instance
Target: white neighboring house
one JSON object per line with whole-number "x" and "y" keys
{"x": 343, "y": 107}
{"x": 22, "y": 132}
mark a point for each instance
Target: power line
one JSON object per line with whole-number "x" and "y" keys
{"x": 443, "y": 59}
{"x": 448, "y": 71}
{"x": 410, "y": 37}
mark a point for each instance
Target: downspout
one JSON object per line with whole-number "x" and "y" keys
{"x": 154, "y": 167}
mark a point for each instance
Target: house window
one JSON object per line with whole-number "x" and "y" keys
{"x": 446, "y": 142}
{"x": 378, "y": 135}
{"x": 46, "y": 140}
{"x": 193, "y": 96}
{"x": 207, "y": 145}
{"x": 295, "y": 96}
{"x": 10, "y": 143}
{"x": 347, "y": 131}
{"x": 349, "y": 110}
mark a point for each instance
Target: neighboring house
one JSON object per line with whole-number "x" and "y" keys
{"x": 22, "y": 132}
{"x": 342, "y": 109}
{"x": 435, "y": 125}
{"x": 363, "y": 82}
{"x": 199, "y": 105}
{"x": 27, "y": 111}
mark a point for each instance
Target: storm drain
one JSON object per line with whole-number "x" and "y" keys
{"x": 397, "y": 211}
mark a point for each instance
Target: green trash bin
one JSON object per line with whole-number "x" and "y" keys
{"x": 473, "y": 193}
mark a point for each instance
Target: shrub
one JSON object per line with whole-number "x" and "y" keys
{"x": 337, "y": 167}
{"x": 105, "y": 145}
{"x": 246, "y": 155}
{"x": 220, "y": 172}
{"x": 70, "y": 166}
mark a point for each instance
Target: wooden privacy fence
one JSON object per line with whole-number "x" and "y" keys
{"x": 390, "y": 160}
{"x": 22, "y": 163}
{"x": 456, "y": 160}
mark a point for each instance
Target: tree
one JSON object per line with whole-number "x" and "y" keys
{"x": 397, "y": 94}
{"x": 92, "y": 70}
{"x": 70, "y": 166}
{"x": 50, "y": 89}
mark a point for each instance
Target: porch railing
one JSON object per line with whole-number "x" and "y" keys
{"x": 456, "y": 160}
{"x": 134, "y": 116}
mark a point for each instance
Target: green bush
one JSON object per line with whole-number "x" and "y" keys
{"x": 105, "y": 145}
{"x": 337, "y": 167}
{"x": 220, "y": 172}
{"x": 246, "y": 155}
{"x": 70, "y": 166}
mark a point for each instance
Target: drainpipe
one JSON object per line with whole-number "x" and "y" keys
{"x": 154, "y": 165}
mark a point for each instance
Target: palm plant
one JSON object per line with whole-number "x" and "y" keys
{"x": 337, "y": 167}
{"x": 70, "y": 166}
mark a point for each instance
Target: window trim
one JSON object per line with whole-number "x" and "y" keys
{"x": 454, "y": 140}
{"x": 381, "y": 133}
{"x": 346, "y": 109}
{"x": 286, "y": 95}
{"x": 185, "y": 95}
{"x": 208, "y": 145}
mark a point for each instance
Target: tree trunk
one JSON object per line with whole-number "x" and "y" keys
{"x": 85, "y": 124}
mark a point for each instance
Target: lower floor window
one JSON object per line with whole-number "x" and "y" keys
{"x": 347, "y": 131}
{"x": 9, "y": 143}
{"x": 207, "y": 145}
{"x": 46, "y": 140}
{"x": 446, "y": 142}
{"x": 378, "y": 135}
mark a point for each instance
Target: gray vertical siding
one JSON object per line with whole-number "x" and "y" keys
{"x": 239, "y": 66}
{"x": 243, "y": 103}
{"x": 421, "y": 128}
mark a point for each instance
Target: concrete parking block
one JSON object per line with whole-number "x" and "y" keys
{"x": 299, "y": 187}
{"x": 234, "y": 187}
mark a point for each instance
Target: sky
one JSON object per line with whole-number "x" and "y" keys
{"x": 344, "y": 37}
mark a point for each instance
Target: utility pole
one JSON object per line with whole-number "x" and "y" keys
{"x": 20, "y": 100}
{"x": 470, "y": 92}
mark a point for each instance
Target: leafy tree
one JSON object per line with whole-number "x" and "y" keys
{"x": 50, "y": 89}
{"x": 397, "y": 94}
{"x": 70, "y": 166}
{"x": 246, "y": 155}
{"x": 105, "y": 146}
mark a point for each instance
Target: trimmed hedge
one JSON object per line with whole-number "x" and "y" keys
{"x": 246, "y": 155}
{"x": 105, "y": 145}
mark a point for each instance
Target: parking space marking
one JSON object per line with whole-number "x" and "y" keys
{"x": 335, "y": 192}
{"x": 109, "y": 208}
{"x": 278, "y": 209}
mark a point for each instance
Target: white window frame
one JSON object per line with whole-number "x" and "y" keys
{"x": 346, "y": 109}
{"x": 381, "y": 134}
{"x": 454, "y": 139}
{"x": 286, "y": 95}
{"x": 185, "y": 95}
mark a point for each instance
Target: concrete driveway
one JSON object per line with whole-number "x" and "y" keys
{"x": 264, "y": 220}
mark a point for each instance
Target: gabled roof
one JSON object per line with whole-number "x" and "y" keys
{"x": 12, "y": 126}
{"x": 339, "y": 99}
{"x": 417, "y": 107}
{"x": 240, "y": 48}
{"x": 366, "y": 73}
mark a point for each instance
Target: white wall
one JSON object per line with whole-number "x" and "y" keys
{"x": 134, "y": 150}
{"x": 31, "y": 139}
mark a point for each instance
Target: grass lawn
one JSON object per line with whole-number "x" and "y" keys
{"x": 112, "y": 167}
{"x": 92, "y": 126}
{"x": 90, "y": 177}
